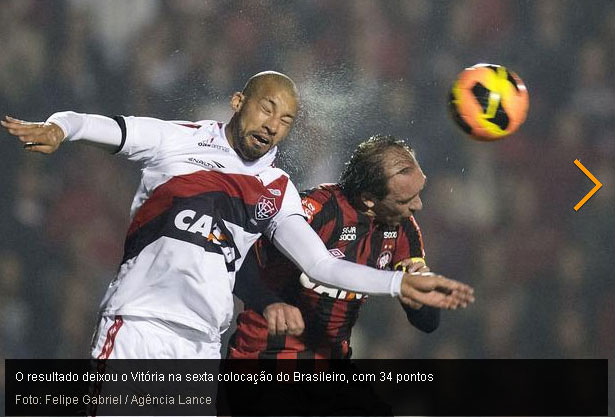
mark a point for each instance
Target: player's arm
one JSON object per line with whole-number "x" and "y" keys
{"x": 282, "y": 318}
{"x": 296, "y": 239}
{"x": 137, "y": 138}
{"x": 46, "y": 137}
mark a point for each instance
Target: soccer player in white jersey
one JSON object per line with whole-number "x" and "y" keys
{"x": 207, "y": 192}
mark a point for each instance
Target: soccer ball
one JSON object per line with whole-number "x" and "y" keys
{"x": 488, "y": 102}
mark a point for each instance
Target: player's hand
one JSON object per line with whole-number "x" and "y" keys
{"x": 40, "y": 137}
{"x": 283, "y": 319}
{"x": 435, "y": 290}
{"x": 410, "y": 265}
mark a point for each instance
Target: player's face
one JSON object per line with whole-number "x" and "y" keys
{"x": 405, "y": 183}
{"x": 264, "y": 119}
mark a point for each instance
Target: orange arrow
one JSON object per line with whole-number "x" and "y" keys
{"x": 592, "y": 191}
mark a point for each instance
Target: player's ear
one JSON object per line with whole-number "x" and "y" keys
{"x": 368, "y": 200}
{"x": 237, "y": 101}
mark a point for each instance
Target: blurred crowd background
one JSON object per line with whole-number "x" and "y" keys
{"x": 496, "y": 215}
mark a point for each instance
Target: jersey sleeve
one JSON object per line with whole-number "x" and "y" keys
{"x": 137, "y": 138}
{"x": 315, "y": 202}
{"x": 142, "y": 137}
{"x": 321, "y": 210}
{"x": 93, "y": 129}
{"x": 410, "y": 242}
{"x": 298, "y": 241}
{"x": 426, "y": 319}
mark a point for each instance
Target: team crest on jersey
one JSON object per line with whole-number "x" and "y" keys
{"x": 384, "y": 259}
{"x": 265, "y": 208}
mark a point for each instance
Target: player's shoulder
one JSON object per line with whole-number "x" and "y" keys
{"x": 152, "y": 124}
{"x": 323, "y": 193}
{"x": 272, "y": 173}
{"x": 212, "y": 126}
{"x": 410, "y": 225}
{"x": 323, "y": 199}
{"x": 278, "y": 182}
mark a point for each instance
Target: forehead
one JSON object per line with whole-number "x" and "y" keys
{"x": 405, "y": 177}
{"x": 278, "y": 94}
{"x": 399, "y": 161}
{"x": 406, "y": 185}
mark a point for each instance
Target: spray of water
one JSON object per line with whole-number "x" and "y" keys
{"x": 338, "y": 110}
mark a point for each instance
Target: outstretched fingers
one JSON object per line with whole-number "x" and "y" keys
{"x": 431, "y": 298}
{"x": 463, "y": 293}
{"x": 25, "y": 131}
{"x": 436, "y": 291}
{"x": 35, "y": 136}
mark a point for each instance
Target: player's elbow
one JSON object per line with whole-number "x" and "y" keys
{"x": 430, "y": 327}
{"x": 427, "y": 319}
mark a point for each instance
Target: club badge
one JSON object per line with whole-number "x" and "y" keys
{"x": 265, "y": 208}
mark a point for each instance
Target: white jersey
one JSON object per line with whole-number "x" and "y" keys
{"x": 198, "y": 210}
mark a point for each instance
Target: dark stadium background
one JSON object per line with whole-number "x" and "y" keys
{"x": 496, "y": 215}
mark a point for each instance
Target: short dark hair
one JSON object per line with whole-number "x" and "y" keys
{"x": 257, "y": 79}
{"x": 364, "y": 172}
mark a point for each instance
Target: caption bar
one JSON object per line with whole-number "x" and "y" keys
{"x": 298, "y": 387}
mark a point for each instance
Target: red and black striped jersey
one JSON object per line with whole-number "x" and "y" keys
{"x": 329, "y": 313}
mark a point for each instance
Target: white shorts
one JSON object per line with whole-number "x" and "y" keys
{"x": 131, "y": 337}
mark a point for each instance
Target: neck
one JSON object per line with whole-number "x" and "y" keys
{"x": 228, "y": 131}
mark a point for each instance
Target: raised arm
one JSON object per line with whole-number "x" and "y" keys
{"x": 136, "y": 138}
{"x": 296, "y": 239}
{"x": 46, "y": 137}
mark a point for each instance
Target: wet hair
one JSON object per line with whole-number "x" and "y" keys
{"x": 364, "y": 172}
{"x": 269, "y": 76}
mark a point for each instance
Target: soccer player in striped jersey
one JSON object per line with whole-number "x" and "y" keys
{"x": 368, "y": 218}
{"x": 208, "y": 191}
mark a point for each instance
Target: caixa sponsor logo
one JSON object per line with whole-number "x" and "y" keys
{"x": 331, "y": 292}
{"x": 185, "y": 220}
{"x": 189, "y": 221}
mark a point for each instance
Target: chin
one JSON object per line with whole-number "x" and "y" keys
{"x": 394, "y": 221}
{"x": 252, "y": 156}
{"x": 246, "y": 153}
